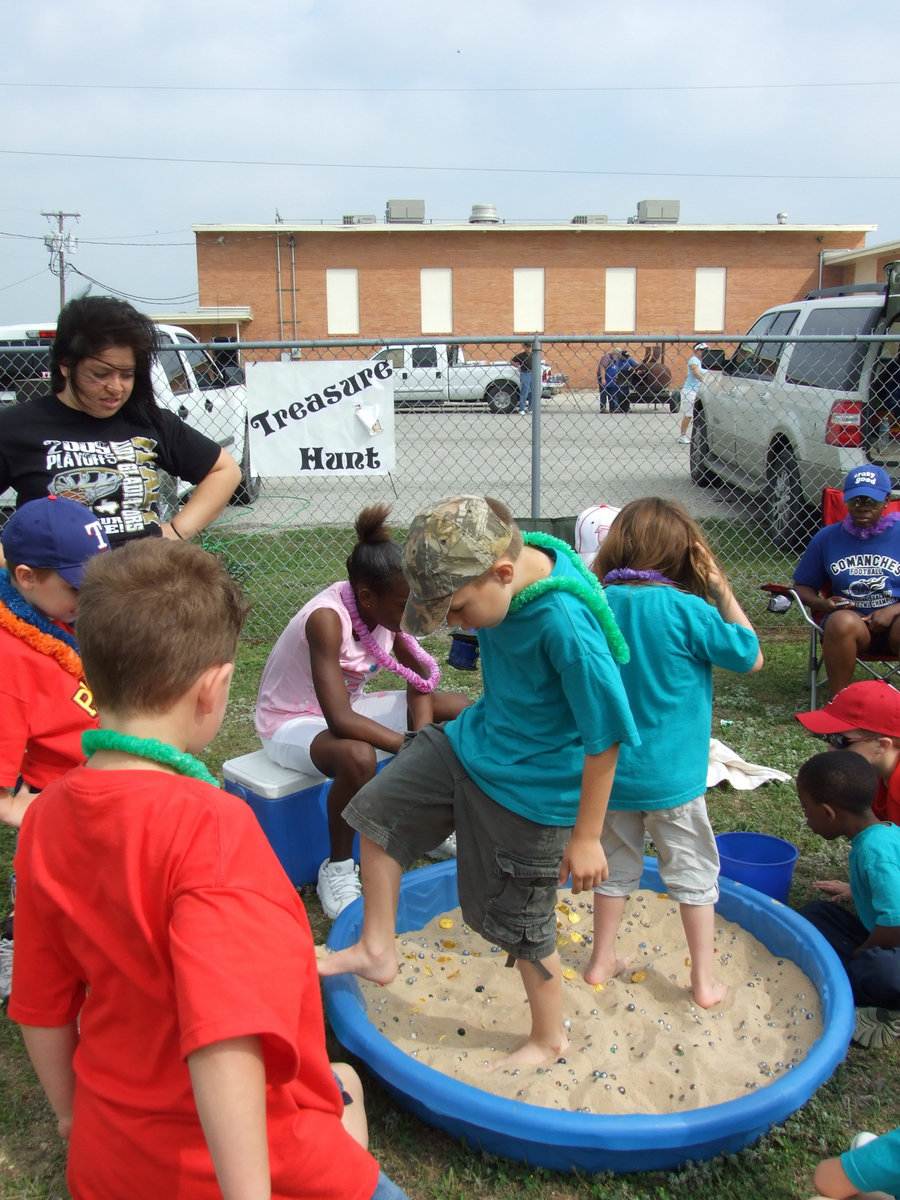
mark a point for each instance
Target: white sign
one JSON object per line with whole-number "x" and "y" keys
{"x": 321, "y": 418}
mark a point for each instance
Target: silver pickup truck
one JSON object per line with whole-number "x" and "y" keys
{"x": 430, "y": 374}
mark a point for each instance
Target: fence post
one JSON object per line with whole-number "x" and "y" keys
{"x": 536, "y": 391}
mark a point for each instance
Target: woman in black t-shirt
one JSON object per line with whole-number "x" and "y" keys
{"x": 102, "y": 439}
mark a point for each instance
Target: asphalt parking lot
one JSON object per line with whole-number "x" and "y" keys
{"x": 585, "y": 458}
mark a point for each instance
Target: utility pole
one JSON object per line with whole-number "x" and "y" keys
{"x": 60, "y": 244}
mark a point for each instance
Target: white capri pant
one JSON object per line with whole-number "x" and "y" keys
{"x": 290, "y": 745}
{"x": 688, "y": 400}
{"x": 688, "y": 858}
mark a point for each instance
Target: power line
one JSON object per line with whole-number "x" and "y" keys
{"x": 700, "y": 87}
{"x": 7, "y": 286}
{"x": 127, "y": 295}
{"x": 319, "y": 166}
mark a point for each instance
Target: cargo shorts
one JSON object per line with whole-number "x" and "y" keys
{"x": 507, "y": 865}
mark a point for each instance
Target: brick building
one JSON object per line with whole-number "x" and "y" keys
{"x": 407, "y": 277}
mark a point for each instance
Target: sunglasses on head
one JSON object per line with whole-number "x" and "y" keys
{"x": 840, "y": 741}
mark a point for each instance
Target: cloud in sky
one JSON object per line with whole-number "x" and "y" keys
{"x": 425, "y": 101}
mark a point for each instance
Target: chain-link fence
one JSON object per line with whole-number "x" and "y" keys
{"x": 552, "y": 426}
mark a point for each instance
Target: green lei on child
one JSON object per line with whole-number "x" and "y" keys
{"x": 586, "y": 587}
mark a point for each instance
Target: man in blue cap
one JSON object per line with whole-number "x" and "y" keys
{"x": 850, "y": 572}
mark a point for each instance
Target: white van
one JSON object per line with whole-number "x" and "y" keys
{"x": 186, "y": 380}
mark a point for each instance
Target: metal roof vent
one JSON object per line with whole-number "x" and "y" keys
{"x": 590, "y": 219}
{"x": 484, "y": 214}
{"x": 663, "y": 211}
{"x": 781, "y": 218}
{"x": 410, "y": 211}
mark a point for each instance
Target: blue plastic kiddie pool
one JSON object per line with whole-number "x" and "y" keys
{"x": 570, "y": 1141}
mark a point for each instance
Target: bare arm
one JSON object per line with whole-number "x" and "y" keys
{"x": 323, "y": 632}
{"x": 420, "y": 704}
{"x": 583, "y": 857}
{"x": 728, "y": 608}
{"x": 816, "y": 603}
{"x": 207, "y": 500}
{"x": 51, "y": 1050}
{"x": 837, "y": 889}
{"x": 881, "y": 937}
{"x": 229, "y": 1082}
{"x": 830, "y": 1179}
{"x": 13, "y": 804}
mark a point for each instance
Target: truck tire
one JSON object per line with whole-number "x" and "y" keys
{"x": 248, "y": 490}
{"x": 502, "y": 397}
{"x": 788, "y": 517}
{"x": 698, "y": 452}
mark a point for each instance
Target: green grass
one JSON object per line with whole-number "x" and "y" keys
{"x": 429, "y": 1164}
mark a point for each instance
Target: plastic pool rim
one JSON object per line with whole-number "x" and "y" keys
{"x": 568, "y": 1141}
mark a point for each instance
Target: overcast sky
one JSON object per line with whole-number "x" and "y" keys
{"x": 147, "y": 118}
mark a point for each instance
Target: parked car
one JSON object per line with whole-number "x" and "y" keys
{"x": 186, "y": 380}
{"x": 782, "y": 420}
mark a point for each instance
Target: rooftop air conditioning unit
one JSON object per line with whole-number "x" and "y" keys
{"x": 590, "y": 219}
{"x": 409, "y": 211}
{"x": 359, "y": 218}
{"x": 667, "y": 211}
{"x": 484, "y": 214}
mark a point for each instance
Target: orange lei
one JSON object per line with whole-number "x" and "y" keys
{"x": 44, "y": 643}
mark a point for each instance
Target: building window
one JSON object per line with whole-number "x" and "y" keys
{"x": 342, "y": 301}
{"x": 709, "y": 300}
{"x": 436, "y": 290}
{"x": 528, "y": 299}
{"x": 621, "y": 298}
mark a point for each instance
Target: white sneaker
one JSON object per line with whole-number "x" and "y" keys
{"x": 862, "y": 1139}
{"x": 685, "y": 441}
{"x": 447, "y": 849}
{"x": 6, "y": 957}
{"x": 338, "y": 886}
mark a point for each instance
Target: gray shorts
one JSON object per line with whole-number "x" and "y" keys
{"x": 688, "y": 858}
{"x": 507, "y": 866}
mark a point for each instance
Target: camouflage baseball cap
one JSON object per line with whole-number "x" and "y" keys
{"x": 449, "y": 544}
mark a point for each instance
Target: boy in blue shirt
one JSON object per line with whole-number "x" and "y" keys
{"x": 869, "y": 1170}
{"x": 523, "y": 775}
{"x": 836, "y": 790}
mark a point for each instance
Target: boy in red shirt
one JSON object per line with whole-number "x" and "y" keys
{"x": 165, "y": 978}
{"x": 865, "y": 718}
{"x": 45, "y": 705}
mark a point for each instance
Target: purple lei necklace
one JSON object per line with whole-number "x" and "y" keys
{"x": 881, "y": 525}
{"x": 362, "y": 631}
{"x": 629, "y": 575}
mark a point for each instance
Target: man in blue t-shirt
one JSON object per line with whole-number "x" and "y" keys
{"x": 856, "y": 564}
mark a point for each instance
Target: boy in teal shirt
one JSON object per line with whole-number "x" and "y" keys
{"x": 523, "y": 775}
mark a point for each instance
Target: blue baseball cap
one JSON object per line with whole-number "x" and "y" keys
{"x": 868, "y": 480}
{"x": 54, "y": 532}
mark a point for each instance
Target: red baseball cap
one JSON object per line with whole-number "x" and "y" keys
{"x": 872, "y": 704}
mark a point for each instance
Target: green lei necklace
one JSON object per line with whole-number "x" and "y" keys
{"x": 93, "y": 740}
{"x": 586, "y": 587}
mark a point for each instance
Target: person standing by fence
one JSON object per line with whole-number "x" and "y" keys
{"x": 689, "y": 390}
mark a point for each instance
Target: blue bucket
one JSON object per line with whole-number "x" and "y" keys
{"x": 758, "y": 860}
{"x": 463, "y": 652}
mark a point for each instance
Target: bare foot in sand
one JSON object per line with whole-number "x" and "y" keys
{"x": 380, "y": 967}
{"x": 709, "y": 995}
{"x": 602, "y": 970}
{"x": 533, "y": 1054}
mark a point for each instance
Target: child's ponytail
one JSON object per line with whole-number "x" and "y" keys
{"x": 375, "y": 561}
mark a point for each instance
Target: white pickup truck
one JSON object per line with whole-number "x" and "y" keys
{"x": 431, "y": 374}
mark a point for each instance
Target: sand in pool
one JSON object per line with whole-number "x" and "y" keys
{"x": 638, "y": 1043}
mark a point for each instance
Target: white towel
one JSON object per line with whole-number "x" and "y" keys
{"x": 725, "y": 766}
